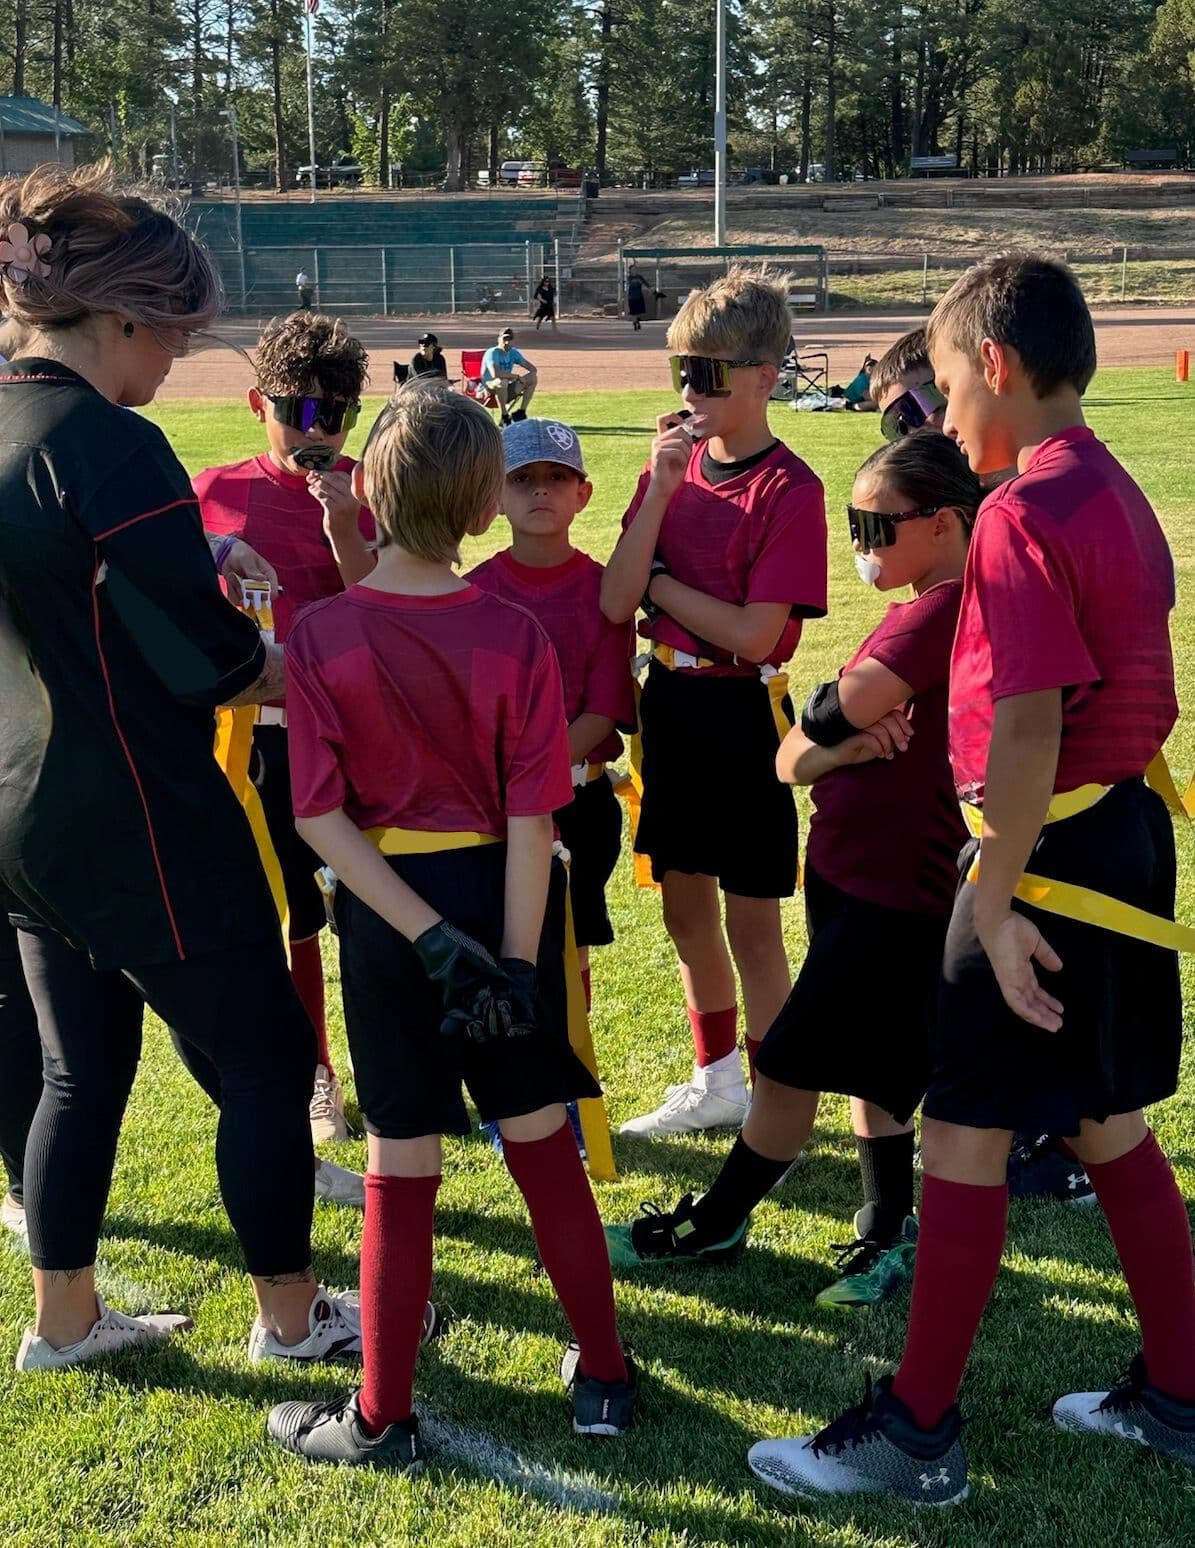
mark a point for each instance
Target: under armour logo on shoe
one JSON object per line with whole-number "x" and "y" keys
{"x": 1132, "y": 1432}
{"x": 1076, "y": 1181}
{"x": 935, "y": 1480}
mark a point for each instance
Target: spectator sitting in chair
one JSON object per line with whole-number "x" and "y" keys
{"x": 428, "y": 359}
{"x": 498, "y": 375}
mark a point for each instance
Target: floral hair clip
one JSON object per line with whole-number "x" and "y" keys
{"x": 20, "y": 254}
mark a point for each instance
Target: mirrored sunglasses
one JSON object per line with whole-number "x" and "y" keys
{"x": 877, "y": 529}
{"x": 708, "y": 378}
{"x": 910, "y": 411}
{"x": 304, "y": 413}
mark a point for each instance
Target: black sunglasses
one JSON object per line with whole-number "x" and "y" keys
{"x": 304, "y": 413}
{"x": 708, "y": 378}
{"x": 910, "y": 411}
{"x": 877, "y": 529}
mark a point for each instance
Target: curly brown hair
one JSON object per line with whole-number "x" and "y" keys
{"x": 306, "y": 349}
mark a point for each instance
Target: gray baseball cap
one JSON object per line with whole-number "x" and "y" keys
{"x": 541, "y": 440}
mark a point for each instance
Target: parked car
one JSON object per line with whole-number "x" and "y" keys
{"x": 344, "y": 170}
{"x": 695, "y": 179}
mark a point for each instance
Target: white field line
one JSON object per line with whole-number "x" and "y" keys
{"x": 567, "y": 1491}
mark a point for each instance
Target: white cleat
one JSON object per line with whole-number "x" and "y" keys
{"x": 337, "y": 1185}
{"x": 327, "y": 1108}
{"x": 715, "y": 1098}
{"x": 111, "y": 1333}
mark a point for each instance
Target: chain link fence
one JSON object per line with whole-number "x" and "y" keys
{"x": 419, "y": 279}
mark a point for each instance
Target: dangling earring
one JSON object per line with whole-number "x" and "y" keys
{"x": 129, "y": 330}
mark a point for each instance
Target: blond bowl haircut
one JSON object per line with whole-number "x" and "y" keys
{"x": 432, "y": 465}
{"x": 743, "y": 315}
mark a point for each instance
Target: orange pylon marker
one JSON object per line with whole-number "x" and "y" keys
{"x": 1182, "y": 365}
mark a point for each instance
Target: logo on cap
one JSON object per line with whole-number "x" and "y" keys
{"x": 562, "y": 435}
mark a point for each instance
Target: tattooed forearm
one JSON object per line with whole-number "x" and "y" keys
{"x": 272, "y": 682}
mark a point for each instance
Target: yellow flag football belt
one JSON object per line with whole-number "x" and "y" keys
{"x": 1084, "y": 904}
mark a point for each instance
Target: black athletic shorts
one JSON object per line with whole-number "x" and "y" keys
{"x": 712, "y": 805}
{"x": 408, "y": 1075}
{"x": 297, "y": 860}
{"x": 591, "y": 831}
{"x": 859, "y": 1018}
{"x": 1119, "y": 1045}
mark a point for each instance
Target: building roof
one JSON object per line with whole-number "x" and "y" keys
{"x": 29, "y": 115}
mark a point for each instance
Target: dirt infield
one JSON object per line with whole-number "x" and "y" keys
{"x": 589, "y": 354}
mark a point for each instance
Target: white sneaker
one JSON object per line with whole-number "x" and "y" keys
{"x": 337, "y": 1185}
{"x": 12, "y": 1218}
{"x": 327, "y": 1107}
{"x": 111, "y": 1332}
{"x": 333, "y": 1330}
{"x": 715, "y": 1098}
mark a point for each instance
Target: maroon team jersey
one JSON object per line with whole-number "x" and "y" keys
{"x": 441, "y": 713}
{"x": 594, "y": 654}
{"x": 757, "y": 537}
{"x": 1069, "y": 584}
{"x": 889, "y": 831}
{"x": 276, "y": 513}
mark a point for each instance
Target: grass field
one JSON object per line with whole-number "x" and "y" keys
{"x": 171, "y": 1448}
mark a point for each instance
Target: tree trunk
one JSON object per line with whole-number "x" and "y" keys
{"x": 806, "y": 114}
{"x": 384, "y": 136}
{"x": 455, "y": 135}
{"x": 831, "y": 90}
{"x": 20, "y": 23}
{"x": 492, "y": 155}
{"x": 603, "y": 91}
{"x": 56, "y": 79}
{"x": 197, "y": 97}
{"x": 896, "y": 107}
{"x": 280, "y": 167}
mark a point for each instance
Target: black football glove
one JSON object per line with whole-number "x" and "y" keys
{"x": 477, "y": 992}
{"x": 524, "y": 983}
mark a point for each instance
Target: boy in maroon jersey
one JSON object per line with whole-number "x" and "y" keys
{"x": 429, "y": 753}
{"x": 724, "y": 544}
{"x": 294, "y": 504}
{"x": 1061, "y": 695}
{"x": 545, "y": 490}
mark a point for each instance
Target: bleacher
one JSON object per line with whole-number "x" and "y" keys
{"x": 380, "y": 256}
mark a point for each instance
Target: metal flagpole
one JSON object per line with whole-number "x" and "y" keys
{"x": 720, "y": 127}
{"x": 309, "y": 9}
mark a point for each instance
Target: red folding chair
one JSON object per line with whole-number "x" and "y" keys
{"x": 471, "y": 382}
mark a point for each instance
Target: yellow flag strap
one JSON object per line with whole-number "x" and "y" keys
{"x": 418, "y": 841}
{"x": 234, "y": 748}
{"x": 594, "y": 1125}
{"x": 1084, "y": 904}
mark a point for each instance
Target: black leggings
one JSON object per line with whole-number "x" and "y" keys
{"x": 20, "y": 1060}
{"x": 237, "y": 1013}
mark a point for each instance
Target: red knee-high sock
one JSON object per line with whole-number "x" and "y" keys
{"x": 568, "y": 1233}
{"x": 714, "y": 1034}
{"x": 959, "y": 1242}
{"x": 753, "y": 1047}
{"x": 1148, "y": 1220}
{"x": 396, "y": 1275}
{"x": 587, "y": 985}
{"x": 307, "y": 971}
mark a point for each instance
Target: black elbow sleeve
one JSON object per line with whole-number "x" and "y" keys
{"x": 822, "y": 720}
